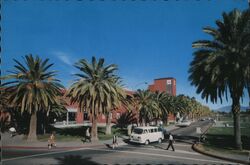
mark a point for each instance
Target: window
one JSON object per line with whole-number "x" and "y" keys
{"x": 138, "y": 131}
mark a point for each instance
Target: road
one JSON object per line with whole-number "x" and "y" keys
{"x": 123, "y": 154}
{"x": 189, "y": 133}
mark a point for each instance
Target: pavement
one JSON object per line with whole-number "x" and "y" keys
{"x": 18, "y": 143}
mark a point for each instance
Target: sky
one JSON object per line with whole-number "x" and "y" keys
{"x": 147, "y": 39}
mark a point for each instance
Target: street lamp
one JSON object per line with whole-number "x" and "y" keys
{"x": 141, "y": 83}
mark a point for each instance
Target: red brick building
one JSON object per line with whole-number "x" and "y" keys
{"x": 165, "y": 85}
{"x": 162, "y": 85}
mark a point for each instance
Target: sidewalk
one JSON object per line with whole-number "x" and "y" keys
{"x": 18, "y": 142}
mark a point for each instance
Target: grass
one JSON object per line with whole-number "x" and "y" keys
{"x": 78, "y": 133}
{"x": 222, "y": 138}
{"x": 59, "y": 137}
{"x": 242, "y": 124}
{"x": 215, "y": 150}
{"x": 227, "y": 131}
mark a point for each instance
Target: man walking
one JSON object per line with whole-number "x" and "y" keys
{"x": 171, "y": 141}
{"x": 115, "y": 143}
{"x": 87, "y": 135}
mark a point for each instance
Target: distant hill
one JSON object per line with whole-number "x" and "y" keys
{"x": 228, "y": 109}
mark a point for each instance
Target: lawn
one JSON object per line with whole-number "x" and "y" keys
{"x": 78, "y": 133}
{"x": 223, "y": 137}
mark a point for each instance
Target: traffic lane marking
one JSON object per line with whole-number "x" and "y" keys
{"x": 168, "y": 156}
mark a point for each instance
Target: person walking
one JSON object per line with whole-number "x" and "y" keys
{"x": 170, "y": 141}
{"x": 12, "y": 131}
{"x": 52, "y": 141}
{"x": 115, "y": 144}
{"x": 87, "y": 135}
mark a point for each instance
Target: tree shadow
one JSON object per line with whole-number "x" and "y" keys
{"x": 226, "y": 141}
{"x": 108, "y": 145}
{"x": 75, "y": 160}
{"x": 186, "y": 138}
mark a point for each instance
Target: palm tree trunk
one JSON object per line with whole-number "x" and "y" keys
{"x": 33, "y": 126}
{"x": 237, "y": 131}
{"x": 108, "y": 123}
{"x": 94, "y": 134}
{"x": 165, "y": 120}
{"x": 143, "y": 122}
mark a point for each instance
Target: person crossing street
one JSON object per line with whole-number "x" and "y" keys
{"x": 170, "y": 142}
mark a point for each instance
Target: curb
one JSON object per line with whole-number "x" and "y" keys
{"x": 37, "y": 147}
{"x": 41, "y": 148}
{"x": 57, "y": 148}
{"x": 195, "y": 148}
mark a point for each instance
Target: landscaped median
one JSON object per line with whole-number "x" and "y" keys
{"x": 219, "y": 141}
{"x": 225, "y": 155}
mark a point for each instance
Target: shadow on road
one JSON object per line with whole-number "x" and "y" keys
{"x": 75, "y": 160}
{"x": 108, "y": 145}
{"x": 191, "y": 139}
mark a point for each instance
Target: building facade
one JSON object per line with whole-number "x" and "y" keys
{"x": 167, "y": 85}
{"x": 164, "y": 85}
{"x": 161, "y": 85}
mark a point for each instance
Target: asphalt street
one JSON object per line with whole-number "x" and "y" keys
{"x": 189, "y": 133}
{"x": 126, "y": 154}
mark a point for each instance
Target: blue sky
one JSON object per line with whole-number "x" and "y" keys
{"x": 146, "y": 39}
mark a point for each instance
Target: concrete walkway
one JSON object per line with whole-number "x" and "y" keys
{"x": 18, "y": 142}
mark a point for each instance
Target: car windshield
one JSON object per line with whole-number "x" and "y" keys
{"x": 138, "y": 131}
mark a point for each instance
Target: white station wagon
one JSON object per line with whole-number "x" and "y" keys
{"x": 146, "y": 135}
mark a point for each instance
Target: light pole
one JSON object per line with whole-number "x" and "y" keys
{"x": 141, "y": 83}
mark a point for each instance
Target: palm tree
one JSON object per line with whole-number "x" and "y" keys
{"x": 33, "y": 88}
{"x": 119, "y": 100}
{"x": 146, "y": 105}
{"x": 5, "y": 116}
{"x": 221, "y": 65}
{"x": 97, "y": 90}
{"x": 162, "y": 101}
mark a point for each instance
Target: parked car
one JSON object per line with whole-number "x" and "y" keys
{"x": 146, "y": 135}
{"x": 184, "y": 123}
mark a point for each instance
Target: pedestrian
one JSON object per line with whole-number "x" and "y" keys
{"x": 115, "y": 143}
{"x": 51, "y": 141}
{"x": 170, "y": 141}
{"x": 12, "y": 131}
{"x": 87, "y": 135}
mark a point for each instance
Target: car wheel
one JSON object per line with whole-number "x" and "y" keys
{"x": 146, "y": 142}
{"x": 159, "y": 140}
